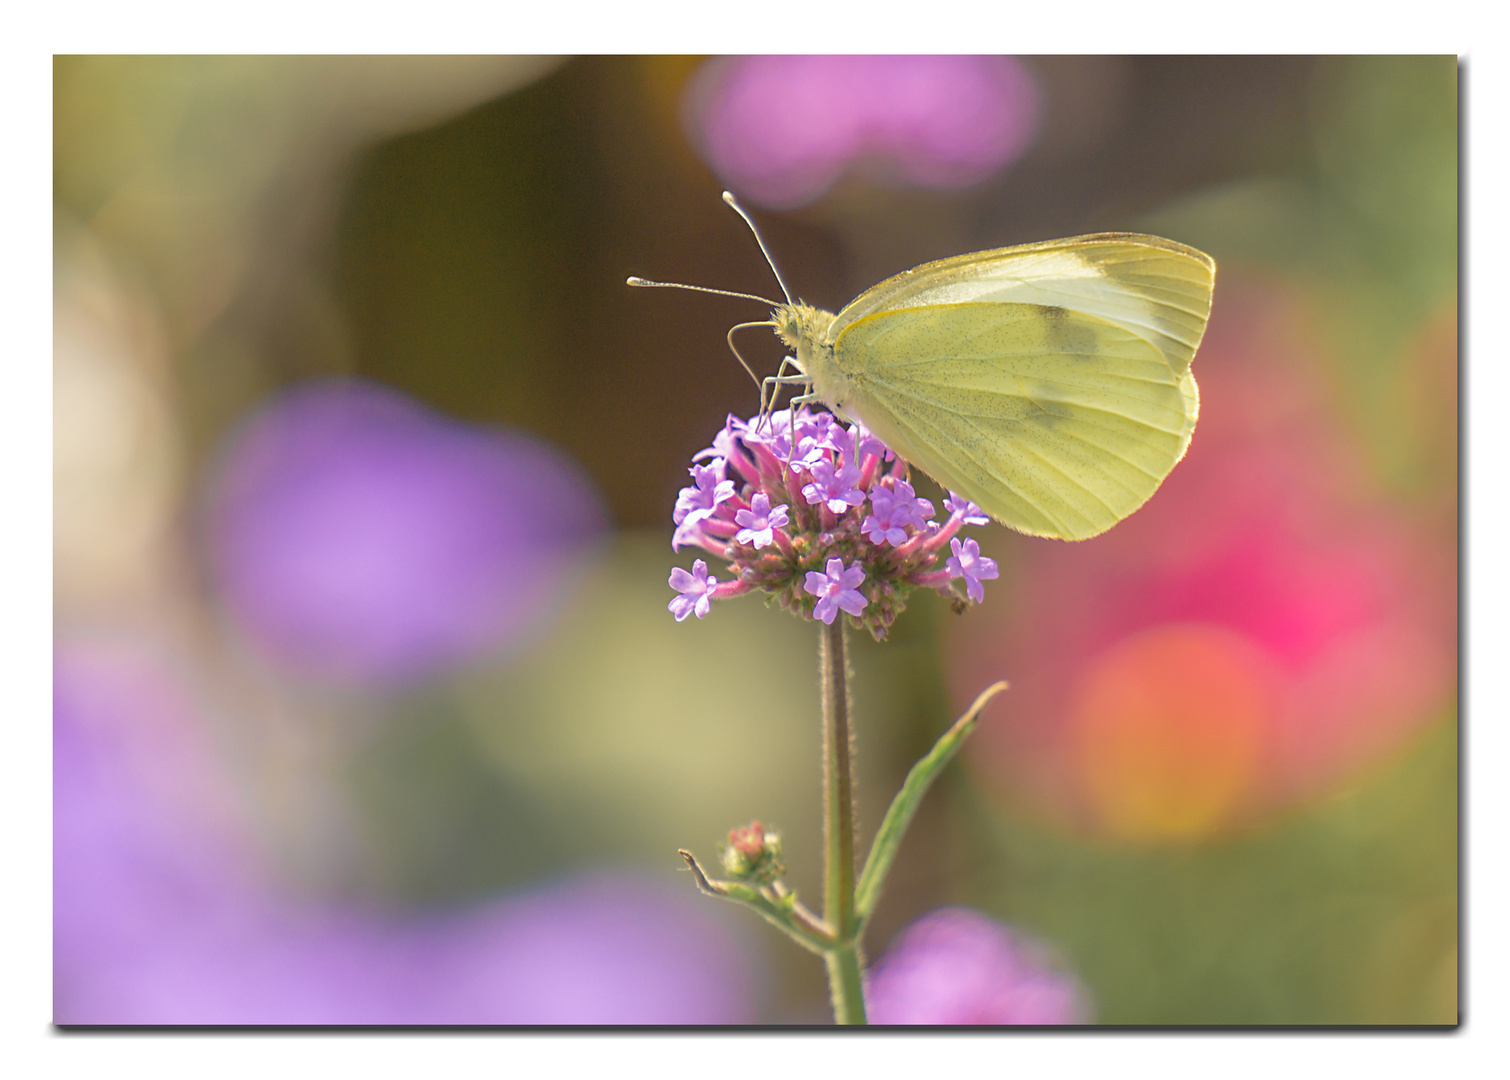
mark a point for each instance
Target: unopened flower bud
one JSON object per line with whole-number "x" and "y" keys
{"x": 754, "y": 854}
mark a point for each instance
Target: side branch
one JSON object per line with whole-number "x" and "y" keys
{"x": 774, "y": 903}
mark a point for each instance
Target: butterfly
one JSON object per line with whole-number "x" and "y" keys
{"x": 1049, "y": 383}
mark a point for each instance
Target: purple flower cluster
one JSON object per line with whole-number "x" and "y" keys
{"x": 357, "y": 537}
{"x": 956, "y": 966}
{"x": 165, "y": 909}
{"x": 822, "y": 517}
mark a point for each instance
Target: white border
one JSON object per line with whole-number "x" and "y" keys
{"x": 691, "y": 26}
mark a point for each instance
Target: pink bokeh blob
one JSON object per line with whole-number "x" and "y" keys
{"x": 782, "y": 129}
{"x": 1271, "y": 529}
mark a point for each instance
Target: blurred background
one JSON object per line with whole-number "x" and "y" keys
{"x": 367, "y": 705}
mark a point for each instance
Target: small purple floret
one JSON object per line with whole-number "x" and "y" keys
{"x": 895, "y": 510}
{"x": 775, "y": 432}
{"x": 782, "y": 492}
{"x": 967, "y": 562}
{"x": 971, "y": 514}
{"x": 723, "y": 442}
{"x": 842, "y": 440}
{"x": 871, "y": 444}
{"x": 695, "y": 589}
{"x": 759, "y": 523}
{"x": 709, "y": 488}
{"x": 838, "y": 588}
{"x": 836, "y": 488}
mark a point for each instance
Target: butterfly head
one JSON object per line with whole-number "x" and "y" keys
{"x": 799, "y": 326}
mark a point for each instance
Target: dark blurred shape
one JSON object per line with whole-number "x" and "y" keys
{"x": 479, "y": 265}
{"x": 955, "y": 966}
{"x": 1264, "y": 627}
{"x": 783, "y": 129}
{"x": 164, "y": 912}
{"x": 359, "y": 536}
{"x": 1428, "y": 397}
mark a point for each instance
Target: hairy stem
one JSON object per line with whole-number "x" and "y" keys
{"x": 844, "y": 961}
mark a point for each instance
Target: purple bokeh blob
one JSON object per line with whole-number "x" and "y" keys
{"x": 164, "y": 912}
{"x": 600, "y": 948}
{"x": 781, "y": 129}
{"x": 955, "y": 966}
{"x": 359, "y": 536}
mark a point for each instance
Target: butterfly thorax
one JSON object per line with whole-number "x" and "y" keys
{"x": 805, "y": 330}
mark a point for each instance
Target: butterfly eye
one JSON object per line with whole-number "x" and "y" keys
{"x": 786, "y": 326}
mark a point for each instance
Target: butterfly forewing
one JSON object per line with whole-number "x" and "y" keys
{"x": 1155, "y": 288}
{"x": 1056, "y": 421}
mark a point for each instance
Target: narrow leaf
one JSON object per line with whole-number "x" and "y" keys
{"x": 889, "y": 837}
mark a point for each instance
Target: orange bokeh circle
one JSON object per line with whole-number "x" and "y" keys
{"x": 1168, "y": 729}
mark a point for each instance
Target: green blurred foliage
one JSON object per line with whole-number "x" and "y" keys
{"x": 633, "y": 735}
{"x": 1344, "y": 914}
{"x": 622, "y": 735}
{"x": 1368, "y": 229}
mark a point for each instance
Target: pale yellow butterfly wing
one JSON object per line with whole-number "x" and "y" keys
{"x": 1056, "y": 422}
{"x": 1050, "y": 382}
{"x": 1152, "y": 287}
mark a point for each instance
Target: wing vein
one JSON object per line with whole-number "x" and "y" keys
{"x": 915, "y": 435}
{"x": 954, "y": 407}
{"x": 1013, "y": 449}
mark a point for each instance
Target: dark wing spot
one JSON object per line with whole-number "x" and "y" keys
{"x": 1065, "y": 335}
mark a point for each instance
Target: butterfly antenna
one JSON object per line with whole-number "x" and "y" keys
{"x": 642, "y": 283}
{"x": 740, "y": 210}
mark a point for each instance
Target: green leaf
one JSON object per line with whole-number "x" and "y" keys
{"x": 883, "y": 851}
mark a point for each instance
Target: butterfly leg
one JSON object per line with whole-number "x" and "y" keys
{"x": 777, "y": 381}
{"x": 792, "y": 403}
{"x": 773, "y": 385}
{"x": 779, "y": 377}
{"x": 760, "y": 416}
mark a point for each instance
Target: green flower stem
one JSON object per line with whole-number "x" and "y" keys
{"x": 844, "y": 983}
{"x": 843, "y": 957}
{"x": 889, "y": 837}
{"x": 847, "y": 904}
